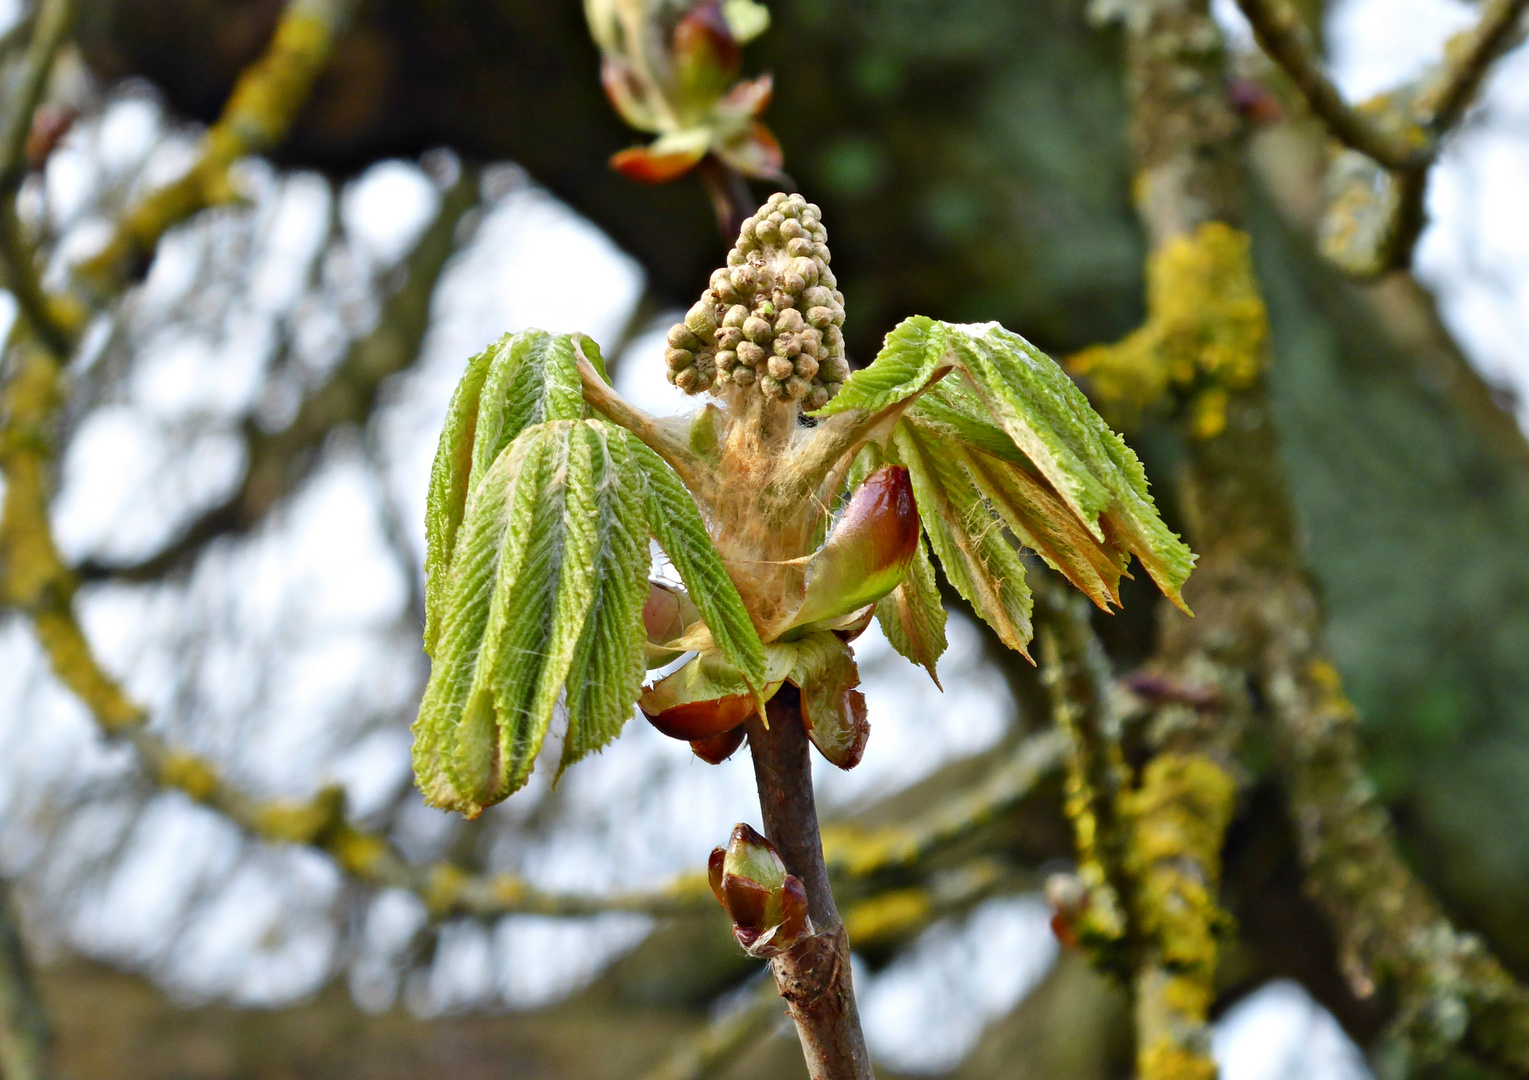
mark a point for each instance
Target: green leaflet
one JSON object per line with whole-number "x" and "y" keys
{"x": 972, "y": 546}
{"x": 544, "y": 599}
{"x": 912, "y": 616}
{"x": 1009, "y": 383}
{"x": 610, "y": 659}
{"x": 521, "y": 380}
{"x": 676, "y": 523}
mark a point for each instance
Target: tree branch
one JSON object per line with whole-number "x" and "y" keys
{"x": 1283, "y": 35}
{"x": 23, "y": 1023}
{"x": 265, "y": 103}
{"x": 814, "y": 976}
{"x": 52, "y": 23}
{"x": 722, "y": 1042}
{"x": 1259, "y": 616}
{"x": 279, "y": 461}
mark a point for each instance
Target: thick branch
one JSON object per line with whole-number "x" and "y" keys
{"x": 814, "y": 977}
{"x": 1259, "y": 617}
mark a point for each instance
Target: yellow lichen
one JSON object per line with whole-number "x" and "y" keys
{"x": 887, "y": 915}
{"x": 859, "y": 852}
{"x": 1178, "y": 818}
{"x": 300, "y": 822}
{"x": 189, "y": 773}
{"x": 1166, "y": 1061}
{"x": 358, "y": 852}
{"x": 444, "y": 888}
{"x": 1206, "y": 335}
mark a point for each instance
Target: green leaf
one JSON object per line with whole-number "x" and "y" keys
{"x": 533, "y": 377}
{"x": 609, "y": 660}
{"x": 456, "y": 744}
{"x": 521, "y": 380}
{"x": 971, "y": 544}
{"x": 1040, "y": 521}
{"x": 677, "y": 525}
{"x": 910, "y": 357}
{"x": 447, "y": 499}
{"x": 912, "y": 616}
{"x": 545, "y": 594}
{"x": 1008, "y": 386}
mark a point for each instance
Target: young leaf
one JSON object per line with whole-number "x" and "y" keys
{"x": 1041, "y": 414}
{"x": 977, "y": 556}
{"x": 520, "y": 380}
{"x": 912, "y": 616}
{"x": 456, "y": 744}
{"x": 609, "y": 660}
{"x": 447, "y": 498}
{"x": 545, "y": 594}
{"x": 1090, "y": 466}
{"x": 676, "y": 523}
{"x": 1040, "y": 521}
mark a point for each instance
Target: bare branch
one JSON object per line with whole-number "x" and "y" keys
{"x": 23, "y": 1024}
{"x": 813, "y": 976}
{"x": 16, "y": 257}
{"x": 279, "y": 461}
{"x": 721, "y": 1043}
{"x": 1282, "y": 33}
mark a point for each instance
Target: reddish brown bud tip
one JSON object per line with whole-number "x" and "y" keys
{"x": 718, "y": 748}
{"x": 714, "y": 873}
{"x": 696, "y": 721}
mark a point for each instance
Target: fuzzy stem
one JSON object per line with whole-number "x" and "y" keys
{"x": 814, "y": 977}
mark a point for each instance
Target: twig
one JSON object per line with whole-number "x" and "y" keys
{"x": 50, "y": 27}
{"x": 1282, "y": 33}
{"x": 279, "y": 460}
{"x": 859, "y": 852}
{"x": 23, "y": 1023}
{"x": 709, "y": 1054}
{"x": 20, "y": 273}
{"x": 814, "y": 976}
{"x": 1467, "y": 58}
{"x": 266, "y": 101}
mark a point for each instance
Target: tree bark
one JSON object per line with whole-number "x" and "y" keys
{"x": 814, "y": 976}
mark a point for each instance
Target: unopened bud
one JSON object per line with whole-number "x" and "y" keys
{"x": 767, "y": 905}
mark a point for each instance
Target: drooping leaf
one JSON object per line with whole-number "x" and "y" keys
{"x": 1007, "y": 385}
{"x": 676, "y": 524}
{"x": 833, "y": 711}
{"x": 456, "y": 744}
{"x": 610, "y": 658}
{"x": 447, "y": 498}
{"x": 1039, "y": 520}
{"x": 912, "y": 616}
{"x": 520, "y": 380}
{"x": 545, "y": 593}
{"x": 970, "y": 542}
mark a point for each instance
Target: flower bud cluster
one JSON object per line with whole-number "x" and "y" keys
{"x": 773, "y": 318}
